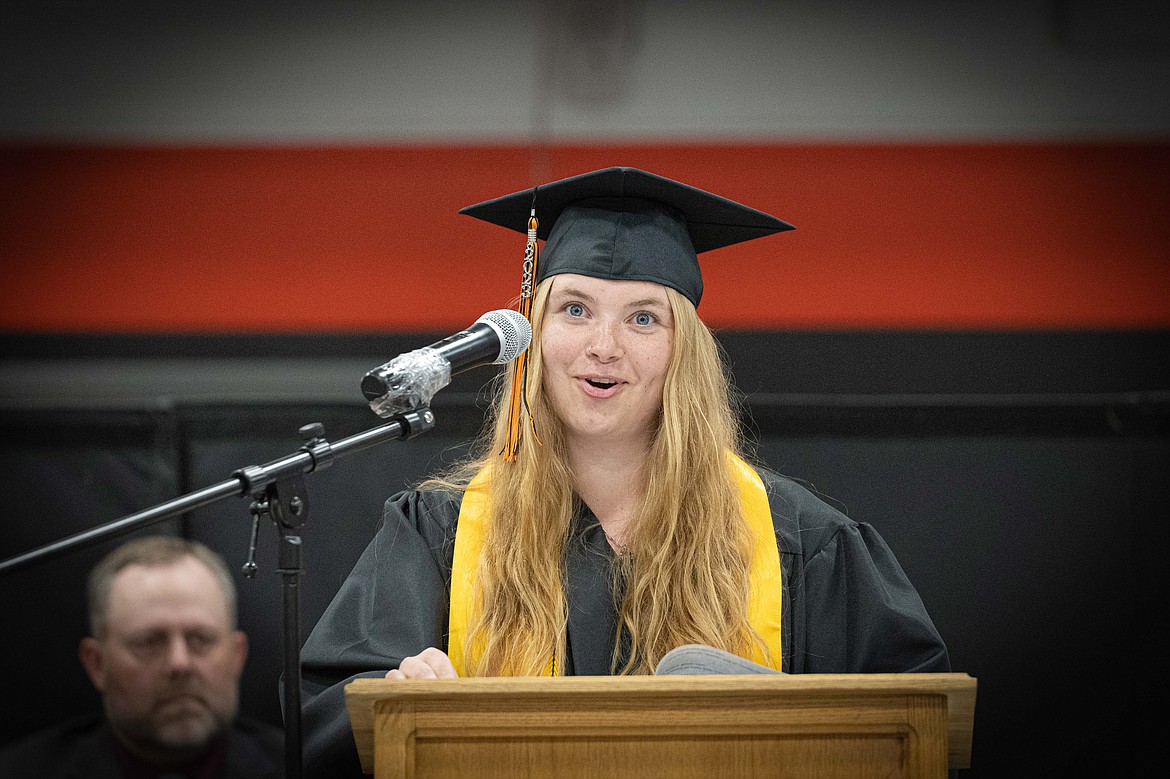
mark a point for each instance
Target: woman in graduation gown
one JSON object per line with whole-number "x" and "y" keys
{"x": 612, "y": 514}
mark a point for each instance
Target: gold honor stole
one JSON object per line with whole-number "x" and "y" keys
{"x": 765, "y": 595}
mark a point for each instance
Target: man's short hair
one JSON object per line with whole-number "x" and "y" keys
{"x": 152, "y": 551}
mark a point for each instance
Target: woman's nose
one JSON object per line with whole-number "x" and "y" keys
{"x": 605, "y": 342}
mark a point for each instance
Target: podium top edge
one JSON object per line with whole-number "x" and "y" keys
{"x": 894, "y": 683}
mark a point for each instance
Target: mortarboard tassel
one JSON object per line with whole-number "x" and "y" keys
{"x": 520, "y": 381}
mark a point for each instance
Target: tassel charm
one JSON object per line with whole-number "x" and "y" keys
{"x": 520, "y": 377}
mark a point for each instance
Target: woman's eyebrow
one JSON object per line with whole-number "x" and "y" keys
{"x": 577, "y": 294}
{"x": 570, "y": 292}
{"x": 660, "y": 302}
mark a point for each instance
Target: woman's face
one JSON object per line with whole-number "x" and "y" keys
{"x": 605, "y": 347}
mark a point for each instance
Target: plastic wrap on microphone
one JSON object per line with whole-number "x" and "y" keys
{"x": 410, "y": 380}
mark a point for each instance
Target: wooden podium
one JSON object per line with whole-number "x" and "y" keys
{"x": 822, "y": 725}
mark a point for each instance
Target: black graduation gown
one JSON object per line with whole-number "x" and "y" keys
{"x": 847, "y": 606}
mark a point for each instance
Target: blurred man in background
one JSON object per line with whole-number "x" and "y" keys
{"x": 166, "y": 656}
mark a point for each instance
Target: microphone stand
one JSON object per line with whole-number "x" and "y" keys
{"x": 277, "y": 490}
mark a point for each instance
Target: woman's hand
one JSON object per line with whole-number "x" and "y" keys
{"x": 430, "y": 663}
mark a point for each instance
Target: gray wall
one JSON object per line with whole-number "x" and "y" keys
{"x": 589, "y": 69}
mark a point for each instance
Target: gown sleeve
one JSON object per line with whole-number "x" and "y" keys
{"x": 392, "y": 605}
{"x": 848, "y": 605}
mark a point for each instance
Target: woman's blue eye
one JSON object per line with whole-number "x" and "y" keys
{"x": 643, "y": 318}
{"x": 575, "y": 309}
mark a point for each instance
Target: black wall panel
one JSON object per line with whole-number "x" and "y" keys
{"x": 1029, "y": 554}
{"x": 1023, "y": 483}
{"x": 63, "y": 473}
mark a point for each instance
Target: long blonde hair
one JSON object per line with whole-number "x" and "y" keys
{"x": 683, "y": 576}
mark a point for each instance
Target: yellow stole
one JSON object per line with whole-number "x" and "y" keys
{"x": 765, "y": 596}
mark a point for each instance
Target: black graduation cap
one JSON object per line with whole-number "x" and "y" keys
{"x": 627, "y": 224}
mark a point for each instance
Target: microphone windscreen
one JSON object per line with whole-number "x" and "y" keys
{"x": 514, "y": 329}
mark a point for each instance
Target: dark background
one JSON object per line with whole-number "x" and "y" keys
{"x": 1019, "y": 477}
{"x": 964, "y": 342}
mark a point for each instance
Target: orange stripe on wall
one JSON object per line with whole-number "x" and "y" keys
{"x": 356, "y": 239}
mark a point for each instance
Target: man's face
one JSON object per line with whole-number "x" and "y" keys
{"x": 168, "y": 666}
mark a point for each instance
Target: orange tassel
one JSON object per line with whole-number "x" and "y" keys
{"x": 520, "y": 377}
